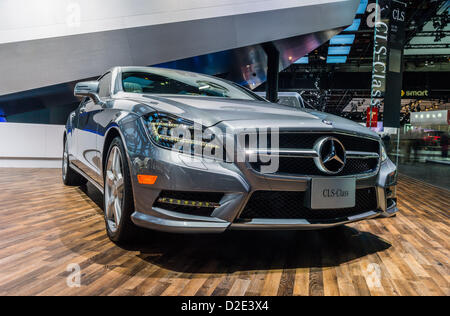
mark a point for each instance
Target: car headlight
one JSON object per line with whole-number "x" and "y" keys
{"x": 182, "y": 135}
{"x": 384, "y": 155}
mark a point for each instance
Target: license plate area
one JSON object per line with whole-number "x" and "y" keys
{"x": 332, "y": 193}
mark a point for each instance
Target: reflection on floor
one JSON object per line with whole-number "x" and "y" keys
{"x": 45, "y": 227}
{"x": 433, "y": 173}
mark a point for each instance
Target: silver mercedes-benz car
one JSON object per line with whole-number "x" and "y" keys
{"x": 183, "y": 152}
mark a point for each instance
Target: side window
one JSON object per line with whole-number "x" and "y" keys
{"x": 104, "y": 86}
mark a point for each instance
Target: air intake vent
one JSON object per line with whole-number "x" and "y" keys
{"x": 290, "y": 205}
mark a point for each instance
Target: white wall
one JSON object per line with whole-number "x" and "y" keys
{"x": 23, "y": 20}
{"x": 42, "y": 43}
{"x": 31, "y": 145}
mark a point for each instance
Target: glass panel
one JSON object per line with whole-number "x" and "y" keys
{"x": 177, "y": 82}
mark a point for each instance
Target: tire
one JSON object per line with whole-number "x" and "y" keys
{"x": 118, "y": 195}
{"x": 69, "y": 176}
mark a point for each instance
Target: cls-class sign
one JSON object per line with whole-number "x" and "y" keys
{"x": 333, "y": 193}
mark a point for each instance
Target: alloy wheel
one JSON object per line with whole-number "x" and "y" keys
{"x": 114, "y": 189}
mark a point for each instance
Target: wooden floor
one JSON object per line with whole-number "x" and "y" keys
{"x": 45, "y": 226}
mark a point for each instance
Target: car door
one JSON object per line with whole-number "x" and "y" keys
{"x": 105, "y": 91}
{"x": 88, "y": 156}
{"x": 72, "y": 135}
{"x": 86, "y": 139}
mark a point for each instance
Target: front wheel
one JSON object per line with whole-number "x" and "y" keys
{"x": 118, "y": 197}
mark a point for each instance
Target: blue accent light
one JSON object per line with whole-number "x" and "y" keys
{"x": 2, "y": 116}
{"x": 303, "y": 60}
{"x": 346, "y": 39}
{"x": 339, "y": 50}
{"x": 336, "y": 59}
{"x": 362, "y": 7}
{"x": 354, "y": 27}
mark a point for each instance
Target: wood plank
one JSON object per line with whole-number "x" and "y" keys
{"x": 46, "y": 226}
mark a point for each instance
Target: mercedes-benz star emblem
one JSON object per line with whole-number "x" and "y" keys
{"x": 331, "y": 155}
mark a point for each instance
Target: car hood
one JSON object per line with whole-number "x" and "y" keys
{"x": 246, "y": 113}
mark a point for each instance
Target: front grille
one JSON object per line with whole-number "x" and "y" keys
{"x": 307, "y": 140}
{"x": 211, "y": 197}
{"x": 307, "y": 167}
{"x": 290, "y": 205}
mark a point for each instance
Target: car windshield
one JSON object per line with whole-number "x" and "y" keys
{"x": 163, "y": 81}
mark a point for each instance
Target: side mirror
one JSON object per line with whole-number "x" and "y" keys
{"x": 88, "y": 89}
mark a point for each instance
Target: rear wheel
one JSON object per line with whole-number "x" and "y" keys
{"x": 118, "y": 197}
{"x": 69, "y": 176}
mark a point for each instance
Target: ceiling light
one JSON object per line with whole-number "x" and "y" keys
{"x": 336, "y": 59}
{"x": 339, "y": 50}
{"x": 345, "y": 39}
{"x": 354, "y": 27}
{"x": 303, "y": 60}
{"x": 362, "y": 7}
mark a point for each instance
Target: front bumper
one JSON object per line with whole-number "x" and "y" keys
{"x": 177, "y": 172}
{"x": 218, "y": 226}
